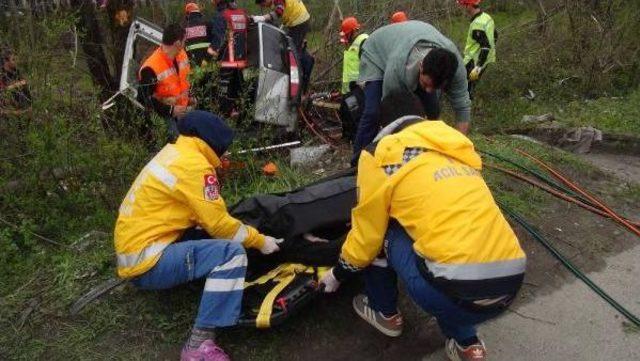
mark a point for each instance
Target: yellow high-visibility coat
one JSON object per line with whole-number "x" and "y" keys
{"x": 427, "y": 177}
{"x": 178, "y": 189}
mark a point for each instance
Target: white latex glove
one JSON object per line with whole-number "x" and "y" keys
{"x": 270, "y": 245}
{"x": 329, "y": 282}
{"x": 475, "y": 73}
{"x": 259, "y": 18}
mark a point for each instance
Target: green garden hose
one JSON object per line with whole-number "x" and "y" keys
{"x": 540, "y": 176}
{"x": 570, "y": 266}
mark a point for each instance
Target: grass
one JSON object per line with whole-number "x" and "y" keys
{"x": 614, "y": 115}
{"x": 126, "y": 317}
{"x": 630, "y": 329}
{"x": 40, "y": 281}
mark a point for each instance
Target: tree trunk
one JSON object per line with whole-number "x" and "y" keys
{"x": 15, "y": 27}
{"x": 92, "y": 46}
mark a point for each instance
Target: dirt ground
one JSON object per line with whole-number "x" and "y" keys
{"x": 623, "y": 166}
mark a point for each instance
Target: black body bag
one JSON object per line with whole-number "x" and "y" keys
{"x": 313, "y": 221}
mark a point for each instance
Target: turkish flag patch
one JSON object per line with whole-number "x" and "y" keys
{"x": 211, "y": 187}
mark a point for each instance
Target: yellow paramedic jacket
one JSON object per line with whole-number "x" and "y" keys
{"x": 178, "y": 189}
{"x": 295, "y": 13}
{"x": 427, "y": 177}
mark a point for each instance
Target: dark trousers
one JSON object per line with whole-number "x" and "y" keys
{"x": 230, "y": 86}
{"x": 298, "y": 34}
{"x": 472, "y": 84}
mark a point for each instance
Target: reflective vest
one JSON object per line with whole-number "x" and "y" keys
{"x": 237, "y": 24}
{"x": 351, "y": 62}
{"x": 295, "y": 13}
{"x": 172, "y": 87}
{"x": 427, "y": 177}
{"x": 485, "y": 23}
{"x": 177, "y": 190}
{"x": 196, "y": 37}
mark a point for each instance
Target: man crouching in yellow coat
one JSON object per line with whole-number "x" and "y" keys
{"x": 426, "y": 215}
{"x": 157, "y": 245}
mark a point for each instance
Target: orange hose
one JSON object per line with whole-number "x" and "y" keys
{"x": 576, "y": 188}
{"x": 552, "y": 191}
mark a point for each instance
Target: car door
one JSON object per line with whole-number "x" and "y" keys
{"x": 278, "y": 88}
{"x": 144, "y": 37}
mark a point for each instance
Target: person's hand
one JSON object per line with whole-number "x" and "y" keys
{"x": 179, "y": 111}
{"x": 463, "y": 127}
{"x": 474, "y": 75}
{"x": 328, "y": 283}
{"x": 259, "y": 18}
{"x": 213, "y": 53}
{"x": 270, "y": 245}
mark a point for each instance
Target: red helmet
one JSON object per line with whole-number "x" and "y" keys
{"x": 191, "y": 7}
{"x": 349, "y": 25}
{"x": 399, "y": 17}
{"x": 469, "y": 2}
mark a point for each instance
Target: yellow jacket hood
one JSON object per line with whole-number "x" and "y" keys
{"x": 440, "y": 137}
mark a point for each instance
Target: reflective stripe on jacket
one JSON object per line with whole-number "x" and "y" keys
{"x": 427, "y": 177}
{"x": 235, "y": 55}
{"x": 482, "y": 22}
{"x": 173, "y": 86}
{"x": 351, "y": 62}
{"x": 196, "y": 33}
{"x": 295, "y": 13}
{"x": 177, "y": 190}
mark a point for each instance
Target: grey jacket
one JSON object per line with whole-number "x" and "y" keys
{"x": 386, "y": 53}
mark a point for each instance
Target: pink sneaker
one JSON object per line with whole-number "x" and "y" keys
{"x": 208, "y": 351}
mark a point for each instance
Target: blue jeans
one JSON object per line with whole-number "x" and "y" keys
{"x": 223, "y": 263}
{"x": 381, "y": 288}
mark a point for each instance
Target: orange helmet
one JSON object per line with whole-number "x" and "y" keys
{"x": 348, "y": 26}
{"x": 469, "y": 2}
{"x": 191, "y": 8}
{"x": 399, "y": 17}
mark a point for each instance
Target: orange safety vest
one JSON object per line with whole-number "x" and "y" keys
{"x": 172, "y": 86}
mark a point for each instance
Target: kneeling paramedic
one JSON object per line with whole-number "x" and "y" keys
{"x": 156, "y": 242}
{"x": 425, "y": 214}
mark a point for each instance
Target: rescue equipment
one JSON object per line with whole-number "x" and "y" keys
{"x": 280, "y": 284}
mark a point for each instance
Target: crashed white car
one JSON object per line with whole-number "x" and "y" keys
{"x": 270, "y": 51}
